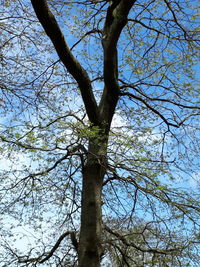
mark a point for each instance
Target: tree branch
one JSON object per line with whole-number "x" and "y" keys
{"x": 150, "y": 250}
{"x": 151, "y": 108}
{"x": 116, "y": 20}
{"x": 158, "y": 99}
{"x": 52, "y": 29}
{"x": 175, "y": 18}
{"x": 40, "y": 259}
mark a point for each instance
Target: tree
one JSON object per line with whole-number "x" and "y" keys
{"x": 110, "y": 127}
{"x": 128, "y": 248}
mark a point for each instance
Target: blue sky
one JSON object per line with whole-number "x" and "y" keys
{"x": 136, "y": 72}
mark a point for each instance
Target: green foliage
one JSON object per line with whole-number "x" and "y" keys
{"x": 151, "y": 157}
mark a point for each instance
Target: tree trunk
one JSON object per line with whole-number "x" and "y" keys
{"x": 90, "y": 249}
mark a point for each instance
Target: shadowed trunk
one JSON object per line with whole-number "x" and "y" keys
{"x": 90, "y": 249}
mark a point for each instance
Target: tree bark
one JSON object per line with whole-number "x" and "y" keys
{"x": 90, "y": 248}
{"x": 53, "y": 31}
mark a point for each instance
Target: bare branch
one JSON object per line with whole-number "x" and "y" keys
{"x": 151, "y": 108}
{"x": 52, "y": 29}
{"x": 42, "y": 258}
{"x": 116, "y": 19}
{"x": 132, "y": 244}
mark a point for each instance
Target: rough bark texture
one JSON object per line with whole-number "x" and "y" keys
{"x": 90, "y": 249}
